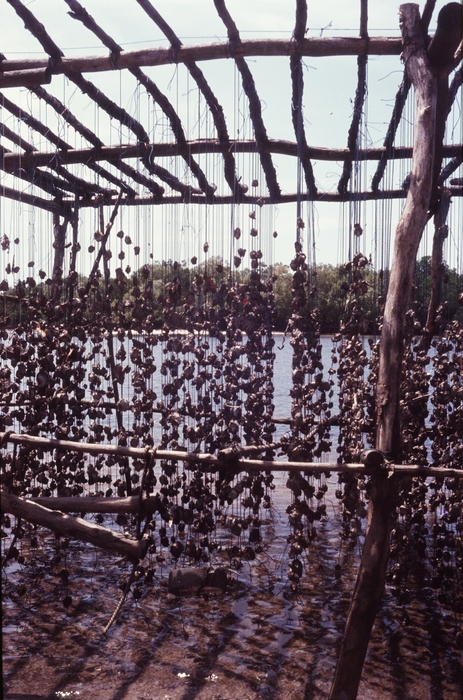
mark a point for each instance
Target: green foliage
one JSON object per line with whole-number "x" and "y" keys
{"x": 451, "y": 286}
{"x": 331, "y": 297}
{"x": 282, "y": 291}
{"x": 136, "y": 299}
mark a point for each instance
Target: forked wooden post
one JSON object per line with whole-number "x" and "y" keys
{"x": 369, "y": 586}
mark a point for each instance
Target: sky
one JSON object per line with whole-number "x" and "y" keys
{"x": 179, "y": 232}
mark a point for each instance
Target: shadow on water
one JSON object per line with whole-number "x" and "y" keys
{"x": 258, "y": 641}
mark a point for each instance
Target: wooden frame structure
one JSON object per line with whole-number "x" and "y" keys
{"x": 428, "y": 65}
{"x": 61, "y": 189}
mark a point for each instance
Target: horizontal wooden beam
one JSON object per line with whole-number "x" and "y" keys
{"x": 317, "y": 47}
{"x": 71, "y": 526}
{"x": 204, "y": 147}
{"x": 40, "y": 202}
{"x": 65, "y": 205}
{"x": 98, "y": 504}
{"x": 25, "y": 78}
{"x": 215, "y": 462}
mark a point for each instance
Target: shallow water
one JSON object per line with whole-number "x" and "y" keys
{"x": 258, "y": 640}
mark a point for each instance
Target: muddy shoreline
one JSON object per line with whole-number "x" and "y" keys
{"x": 258, "y": 640}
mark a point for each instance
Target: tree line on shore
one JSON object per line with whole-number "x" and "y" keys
{"x": 128, "y": 296}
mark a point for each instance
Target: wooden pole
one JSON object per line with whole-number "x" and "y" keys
{"x": 317, "y": 47}
{"x": 370, "y": 582}
{"x": 408, "y": 234}
{"x": 215, "y": 462}
{"x": 102, "y": 248}
{"x": 12, "y": 161}
{"x": 72, "y": 527}
{"x": 59, "y": 236}
{"x": 98, "y": 504}
{"x": 368, "y": 196}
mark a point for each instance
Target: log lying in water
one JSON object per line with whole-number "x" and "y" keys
{"x": 97, "y": 504}
{"x": 72, "y": 527}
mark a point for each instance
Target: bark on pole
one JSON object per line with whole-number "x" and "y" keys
{"x": 59, "y": 236}
{"x": 73, "y": 527}
{"x": 13, "y": 161}
{"x": 239, "y": 464}
{"x": 16, "y": 72}
{"x": 369, "y": 586}
{"x": 98, "y": 504}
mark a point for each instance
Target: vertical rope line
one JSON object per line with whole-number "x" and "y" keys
{"x": 299, "y": 152}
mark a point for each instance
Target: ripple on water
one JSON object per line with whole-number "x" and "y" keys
{"x": 259, "y": 640}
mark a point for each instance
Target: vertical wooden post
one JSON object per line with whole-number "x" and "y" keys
{"x": 124, "y": 462}
{"x": 369, "y": 586}
{"x": 59, "y": 240}
{"x": 75, "y": 237}
{"x": 409, "y": 232}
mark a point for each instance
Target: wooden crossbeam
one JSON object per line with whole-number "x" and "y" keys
{"x": 215, "y": 108}
{"x": 67, "y": 115}
{"x": 317, "y": 48}
{"x": 160, "y": 150}
{"x": 360, "y": 94}
{"x": 366, "y": 196}
{"x": 72, "y": 527}
{"x": 255, "y": 107}
{"x": 16, "y": 139}
{"x": 215, "y": 462}
{"x": 297, "y": 80}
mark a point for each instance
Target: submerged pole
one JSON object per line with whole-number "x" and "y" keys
{"x": 370, "y": 582}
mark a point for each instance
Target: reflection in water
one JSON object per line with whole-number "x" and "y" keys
{"x": 258, "y": 640}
